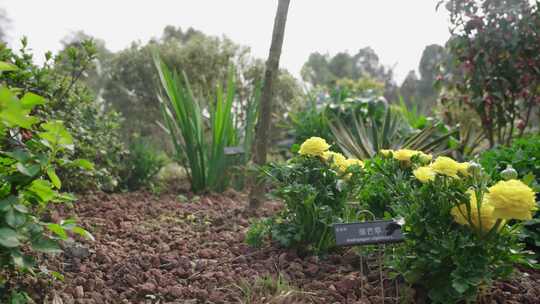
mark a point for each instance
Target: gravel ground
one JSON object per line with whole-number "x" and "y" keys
{"x": 191, "y": 250}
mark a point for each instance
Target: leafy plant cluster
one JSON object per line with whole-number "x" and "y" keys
{"x": 344, "y": 101}
{"x": 32, "y": 150}
{"x": 94, "y": 130}
{"x": 494, "y": 70}
{"x": 201, "y": 143}
{"x": 360, "y": 122}
{"x": 457, "y": 236}
{"x": 314, "y": 187}
{"x": 461, "y": 227}
{"x": 524, "y": 156}
{"x": 142, "y": 164}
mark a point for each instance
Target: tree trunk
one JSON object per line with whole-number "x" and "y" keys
{"x": 262, "y": 133}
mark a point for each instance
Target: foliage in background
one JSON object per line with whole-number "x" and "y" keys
{"x": 94, "y": 130}
{"x": 362, "y": 97}
{"x": 524, "y": 156}
{"x": 420, "y": 90}
{"x": 31, "y": 153}
{"x": 184, "y": 120}
{"x": 142, "y": 165}
{"x": 495, "y": 63}
{"x": 364, "y": 139}
{"x": 470, "y": 139}
{"x": 129, "y": 81}
{"x": 325, "y": 70}
{"x": 313, "y": 186}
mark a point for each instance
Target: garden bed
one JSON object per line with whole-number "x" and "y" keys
{"x": 183, "y": 250}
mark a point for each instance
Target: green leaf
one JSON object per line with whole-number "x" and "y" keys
{"x": 54, "y": 178}
{"x": 58, "y": 230}
{"x": 21, "y": 208}
{"x": 46, "y": 246}
{"x": 82, "y": 232}
{"x": 83, "y": 164}
{"x": 12, "y": 112}
{"x": 460, "y": 286}
{"x": 9, "y": 238}
{"x": 57, "y": 275}
{"x": 14, "y": 218}
{"x": 529, "y": 178}
{"x": 31, "y": 170}
{"x": 7, "y": 202}
{"x": 19, "y": 155}
{"x": 56, "y": 135}
{"x": 42, "y": 189}
{"x": 6, "y": 67}
{"x": 30, "y": 100}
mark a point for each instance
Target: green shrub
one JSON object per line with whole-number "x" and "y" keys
{"x": 524, "y": 156}
{"x": 323, "y": 107}
{"x": 142, "y": 164}
{"x": 31, "y": 152}
{"x": 314, "y": 189}
{"x": 200, "y": 145}
{"x": 95, "y": 131}
{"x": 381, "y": 182}
{"x": 454, "y": 247}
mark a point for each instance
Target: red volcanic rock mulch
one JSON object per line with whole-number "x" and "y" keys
{"x": 162, "y": 250}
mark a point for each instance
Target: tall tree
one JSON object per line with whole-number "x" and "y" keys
{"x": 323, "y": 70}
{"x": 265, "y": 115}
{"x": 432, "y": 57}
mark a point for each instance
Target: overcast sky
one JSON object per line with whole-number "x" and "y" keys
{"x": 398, "y": 30}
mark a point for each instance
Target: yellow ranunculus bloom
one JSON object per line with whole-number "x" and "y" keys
{"x": 463, "y": 168}
{"x": 512, "y": 199}
{"x": 337, "y": 158}
{"x": 386, "y": 152}
{"x": 424, "y": 174}
{"x": 353, "y": 161}
{"x": 314, "y": 146}
{"x": 460, "y": 213}
{"x": 406, "y": 155}
{"x": 446, "y": 166}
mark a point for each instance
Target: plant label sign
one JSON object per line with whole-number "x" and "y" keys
{"x": 367, "y": 233}
{"x": 233, "y": 150}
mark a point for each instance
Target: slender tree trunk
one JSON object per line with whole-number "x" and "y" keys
{"x": 262, "y": 133}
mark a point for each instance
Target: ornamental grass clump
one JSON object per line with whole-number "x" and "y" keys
{"x": 315, "y": 188}
{"x": 457, "y": 234}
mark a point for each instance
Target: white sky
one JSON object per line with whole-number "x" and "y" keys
{"x": 398, "y": 30}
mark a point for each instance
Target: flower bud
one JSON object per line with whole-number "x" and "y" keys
{"x": 474, "y": 168}
{"x": 509, "y": 173}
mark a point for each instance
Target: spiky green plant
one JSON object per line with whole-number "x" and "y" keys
{"x": 364, "y": 139}
{"x": 204, "y": 160}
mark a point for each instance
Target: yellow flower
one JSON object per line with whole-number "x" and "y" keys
{"x": 461, "y": 215}
{"x": 314, "y": 146}
{"x": 446, "y": 166}
{"x": 463, "y": 168}
{"x": 512, "y": 199}
{"x": 424, "y": 174}
{"x": 337, "y": 158}
{"x": 353, "y": 161}
{"x": 386, "y": 153}
{"x": 406, "y": 155}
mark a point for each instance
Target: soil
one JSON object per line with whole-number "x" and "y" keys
{"x": 186, "y": 249}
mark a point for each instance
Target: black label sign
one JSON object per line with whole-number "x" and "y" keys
{"x": 366, "y": 233}
{"x": 233, "y": 150}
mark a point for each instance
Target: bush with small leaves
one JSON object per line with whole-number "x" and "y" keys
{"x": 31, "y": 152}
